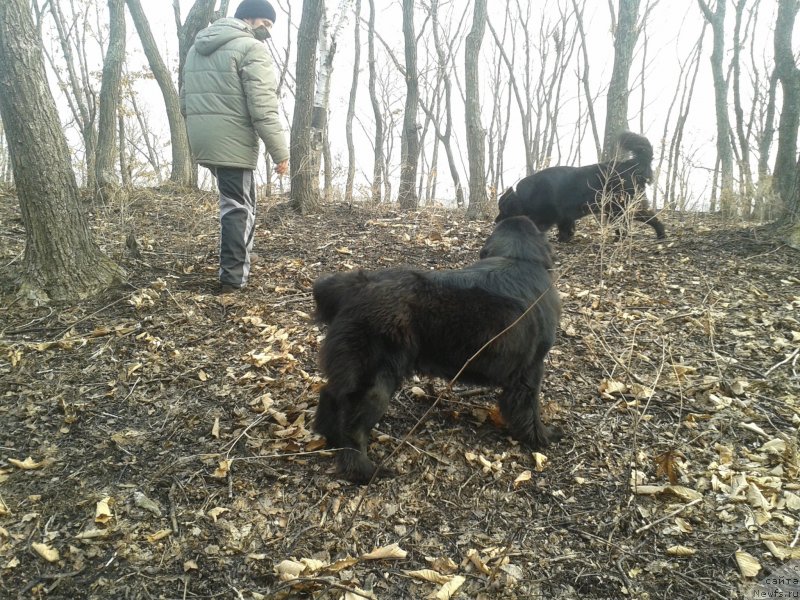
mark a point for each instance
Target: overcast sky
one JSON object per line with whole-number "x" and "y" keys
{"x": 672, "y": 30}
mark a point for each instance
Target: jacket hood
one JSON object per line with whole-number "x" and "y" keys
{"x": 219, "y": 33}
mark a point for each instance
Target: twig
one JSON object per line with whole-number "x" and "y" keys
{"x": 669, "y": 516}
{"x": 784, "y": 361}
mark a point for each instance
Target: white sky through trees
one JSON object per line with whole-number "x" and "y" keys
{"x": 672, "y": 29}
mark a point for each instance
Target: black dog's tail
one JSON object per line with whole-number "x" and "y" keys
{"x": 332, "y": 291}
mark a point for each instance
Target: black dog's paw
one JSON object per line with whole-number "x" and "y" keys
{"x": 357, "y": 468}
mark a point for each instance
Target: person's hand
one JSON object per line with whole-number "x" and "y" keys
{"x": 282, "y": 168}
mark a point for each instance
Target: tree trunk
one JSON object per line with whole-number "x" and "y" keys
{"x": 784, "y": 175}
{"x": 409, "y": 153}
{"x": 587, "y": 92}
{"x": 724, "y": 151}
{"x": 351, "y": 109}
{"x": 124, "y": 164}
{"x": 625, "y": 37}
{"x": 743, "y": 146}
{"x": 305, "y": 180}
{"x": 61, "y": 261}
{"x": 106, "y": 180}
{"x": 379, "y": 163}
{"x": 200, "y": 15}
{"x": 475, "y": 133}
{"x": 182, "y": 168}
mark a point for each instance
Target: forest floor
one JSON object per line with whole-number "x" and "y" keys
{"x": 155, "y": 441}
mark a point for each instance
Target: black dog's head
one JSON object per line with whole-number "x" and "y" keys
{"x": 518, "y": 238}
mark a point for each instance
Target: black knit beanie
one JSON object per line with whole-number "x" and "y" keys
{"x": 255, "y": 9}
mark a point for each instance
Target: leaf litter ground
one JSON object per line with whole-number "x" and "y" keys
{"x": 156, "y": 440}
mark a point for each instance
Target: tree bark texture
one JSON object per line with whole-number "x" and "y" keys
{"x": 717, "y": 21}
{"x": 106, "y": 179}
{"x": 351, "y": 108}
{"x": 379, "y": 163}
{"x": 409, "y": 147}
{"x": 475, "y": 133}
{"x": 789, "y": 76}
{"x": 305, "y": 179}
{"x": 181, "y": 156}
{"x": 61, "y": 261}
{"x": 625, "y": 37}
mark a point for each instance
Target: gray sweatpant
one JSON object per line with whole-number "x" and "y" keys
{"x": 237, "y": 218}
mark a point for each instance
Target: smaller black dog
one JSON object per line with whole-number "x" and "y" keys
{"x": 561, "y": 195}
{"x": 386, "y": 325}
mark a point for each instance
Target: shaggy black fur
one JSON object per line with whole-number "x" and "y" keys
{"x": 386, "y": 325}
{"x": 562, "y": 195}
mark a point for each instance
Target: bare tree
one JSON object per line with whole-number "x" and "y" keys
{"x": 305, "y": 180}
{"x": 684, "y": 91}
{"x": 409, "y": 153}
{"x": 625, "y": 35}
{"x": 61, "y": 261}
{"x": 475, "y": 133}
{"x": 76, "y": 81}
{"x": 107, "y": 180}
{"x": 784, "y": 175}
{"x": 379, "y": 167}
{"x": 585, "y": 77}
{"x": 351, "y": 107}
{"x": 743, "y": 147}
{"x": 716, "y": 19}
{"x": 182, "y": 168}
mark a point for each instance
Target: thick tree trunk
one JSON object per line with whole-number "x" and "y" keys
{"x": 409, "y": 153}
{"x": 106, "y": 180}
{"x": 61, "y": 261}
{"x": 724, "y": 150}
{"x": 784, "y": 176}
{"x": 478, "y": 202}
{"x": 305, "y": 180}
{"x": 617, "y": 100}
{"x": 181, "y": 157}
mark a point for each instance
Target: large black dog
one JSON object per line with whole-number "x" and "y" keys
{"x": 562, "y": 195}
{"x": 386, "y": 325}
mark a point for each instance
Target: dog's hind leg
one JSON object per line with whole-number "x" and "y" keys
{"x": 644, "y": 215}
{"x": 365, "y": 409}
{"x": 519, "y": 405}
{"x": 566, "y": 231}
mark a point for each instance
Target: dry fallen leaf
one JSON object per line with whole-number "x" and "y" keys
{"x": 217, "y": 511}
{"x": 222, "y": 470}
{"x": 159, "y": 535}
{"x": 681, "y": 551}
{"x": 428, "y": 575}
{"x": 748, "y": 564}
{"x": 215, "y": 428}
{"x": 190, "y": 565}
{"x": 449, "y": 589}
{"x": 390, "y": 551}
{"x": 102, "y": 511}
{"x": 48, "y": 553}
{"x": 522, "y": 477}
{"x": 27, "y": 465}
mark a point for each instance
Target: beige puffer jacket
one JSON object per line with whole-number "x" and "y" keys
{"x": 228, "y": 98}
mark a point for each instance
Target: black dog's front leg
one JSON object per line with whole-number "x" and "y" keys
{"x": 519, "y": 405}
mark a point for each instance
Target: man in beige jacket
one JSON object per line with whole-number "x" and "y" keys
{"x": 229, "y": 100}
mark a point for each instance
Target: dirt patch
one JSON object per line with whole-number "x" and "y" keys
{"x": 168, "y": 427}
